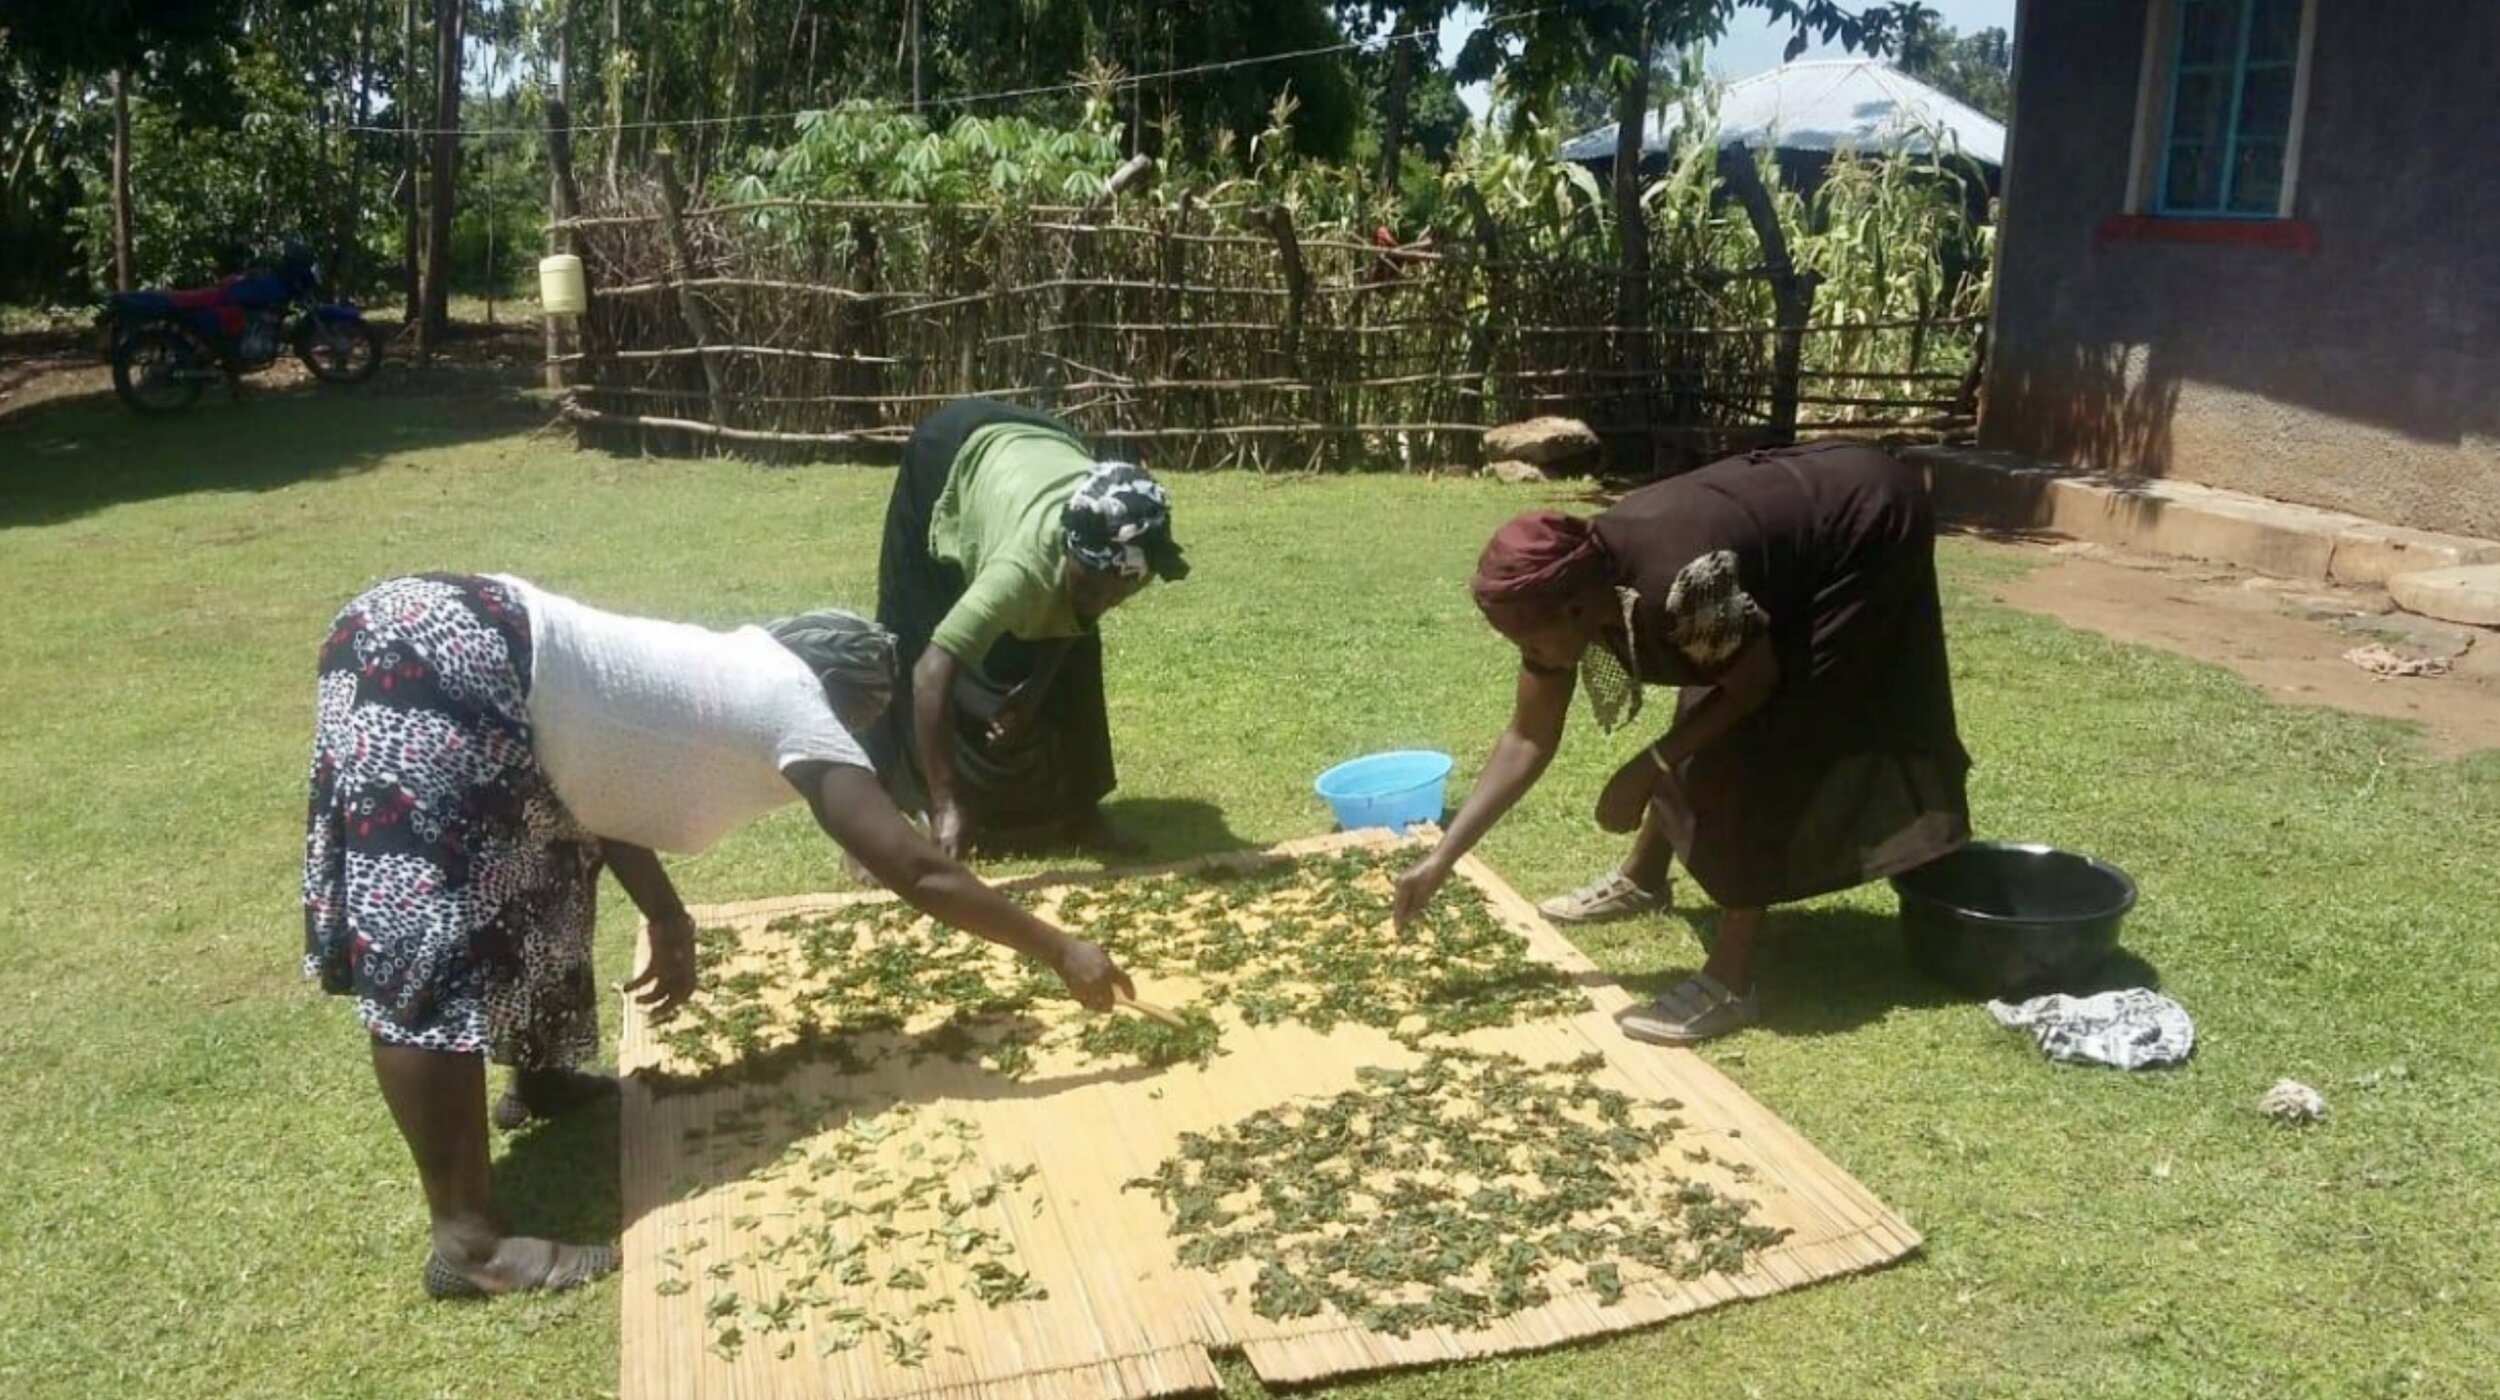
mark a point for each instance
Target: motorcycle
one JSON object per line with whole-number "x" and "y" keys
{"x": 168, "y": 346}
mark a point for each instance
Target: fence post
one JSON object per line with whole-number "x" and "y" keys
{"x": 863, "y": 330}
{"x": 1279, "y": 222}
{"x": 680, "y": 273}
{"x": 1632, "y": 308}
{"x": 1174, "y": 270}
{"x": 565, "y": 196}
{"x": 1792, "y": 292}
{"x": 1488, "y": 234}
{"x": 1072, "y": 296}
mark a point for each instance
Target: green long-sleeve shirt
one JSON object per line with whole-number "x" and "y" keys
{"x": 998, "y": 521}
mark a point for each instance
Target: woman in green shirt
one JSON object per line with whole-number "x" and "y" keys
{"x": 1005, "y": 542}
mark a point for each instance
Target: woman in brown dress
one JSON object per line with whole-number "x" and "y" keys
{"x": 1791, "y": 595}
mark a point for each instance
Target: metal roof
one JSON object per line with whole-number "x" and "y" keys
{"x": 1824, "y": 105}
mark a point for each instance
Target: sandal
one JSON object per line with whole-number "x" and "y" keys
{"x": 549, "y": 1093}
{"x": 1696, "y": 1009}
{"x": 1609, "y": 896}
{"x": 562, "y": 1266}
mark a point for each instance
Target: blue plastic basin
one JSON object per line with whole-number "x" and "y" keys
{"x": 1387, "y": 789}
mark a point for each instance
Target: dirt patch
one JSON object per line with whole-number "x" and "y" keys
{"x": 49, "y": 367}
{"x": 2286, "y": 638}
{"x": 46, "y": 368}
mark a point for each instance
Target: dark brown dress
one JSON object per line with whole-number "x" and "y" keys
{"x": 1852, "y": 771}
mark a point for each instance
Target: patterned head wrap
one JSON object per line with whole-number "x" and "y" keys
{"x": 843, "y": 649}
{"x": 1119, "y": 521}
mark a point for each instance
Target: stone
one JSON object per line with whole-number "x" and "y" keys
{"x": 2422, "y": 636}
{"x": 2372, "y": 553}
{"x": 1544, "y": 442}
{"x": 1515, "y": 472}
{"x": 2469, "y": 594}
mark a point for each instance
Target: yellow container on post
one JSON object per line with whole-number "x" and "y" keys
{"x": 561, "y": 288}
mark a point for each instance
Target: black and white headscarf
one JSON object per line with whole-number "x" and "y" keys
{"x": 1119, "y": 521}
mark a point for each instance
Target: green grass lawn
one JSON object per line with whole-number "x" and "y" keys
{"x": 200, "y": 1193}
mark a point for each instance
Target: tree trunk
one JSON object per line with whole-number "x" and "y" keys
{"x": 563, "y": 195}
{"x": 1393, "y": 121}
{"x": 346, "y": 247}
{"x": 411, "y": 82}
{"x": 681, "y": 271}
{"x": 121, "y": 179}
{"x": 1792, "y": 292}
{"x": 564, "y": 192}
{"x": 1632, "y": 246}
{"x": 442, "y": 178}
{"x": 615, "y": 80}
{"x": 915, "y": 53}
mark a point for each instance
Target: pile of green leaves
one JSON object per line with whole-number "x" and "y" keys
{"x": 862, "y": 975}
{"x": 1150, "y": 1042}
{"x": 882, "y": 1203}
{"x": 1307, "y": 941}
{"x": 1448, "y": 1195}
{"x": 1311, "y": 941}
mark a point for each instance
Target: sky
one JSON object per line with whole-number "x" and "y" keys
{"x": 1753, "y": 41}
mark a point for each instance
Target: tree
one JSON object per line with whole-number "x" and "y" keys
{"x": 442, "y": 177}
{"x": 121, "y": 179}
{"x": 1408, "y": 32}
{"x": 1544, "y": 52}
{"x": 1976, "y": 69}
{"x": 64, "y": 48}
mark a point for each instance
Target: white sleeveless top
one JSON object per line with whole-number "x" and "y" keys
{"x": 665, "y": 734}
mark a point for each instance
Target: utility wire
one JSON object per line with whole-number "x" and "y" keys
{"x": 1196, "y": 70}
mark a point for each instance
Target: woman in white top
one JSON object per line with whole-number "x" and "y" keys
{"x": 483, "y": 749}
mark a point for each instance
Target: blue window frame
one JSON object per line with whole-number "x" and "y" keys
{"x": 2234, "y": 67}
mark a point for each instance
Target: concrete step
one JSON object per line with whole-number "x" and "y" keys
{"x": 2468, "y": 594}
{"x": 2003, "y": 491}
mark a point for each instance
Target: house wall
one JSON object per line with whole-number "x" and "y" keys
{"x": 2360, "y": 375}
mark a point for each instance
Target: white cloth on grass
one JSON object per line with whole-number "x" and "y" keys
{"x": 665, "y": 734}
{"x": 2132, "y": 1029}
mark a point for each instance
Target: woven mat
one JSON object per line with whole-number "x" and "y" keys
{"x": 1122, "y": 1317}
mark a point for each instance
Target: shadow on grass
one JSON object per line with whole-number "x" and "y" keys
{"x": 1164, "y": 829}
{"x": 1832, "y": 971}
{"x": 557, "y": 1178}
{"x": 1822, "y": 971}
{"x": 71, "y": 459}
{"x": 1173, "y": 828}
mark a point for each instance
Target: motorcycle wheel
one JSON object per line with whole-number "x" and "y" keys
{"x": 156, "y": 370}
{"x": 337, "y": 351}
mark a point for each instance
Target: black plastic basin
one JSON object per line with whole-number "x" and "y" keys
{"x": 1996, "y": 919}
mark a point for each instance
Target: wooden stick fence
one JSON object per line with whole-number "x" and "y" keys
{"x": 1211, "y": 334}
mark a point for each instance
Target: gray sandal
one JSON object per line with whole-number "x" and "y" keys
{"x": 1696, "y": 1009}
{"x": 1609, "y": 896}
{"x": 565, "y": 1266}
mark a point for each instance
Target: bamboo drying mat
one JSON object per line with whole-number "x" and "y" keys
{"x": 1123, "y": 1319}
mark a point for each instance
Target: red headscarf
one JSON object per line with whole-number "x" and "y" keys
{"x": 1535, "y": 566}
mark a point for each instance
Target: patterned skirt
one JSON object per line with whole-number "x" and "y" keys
{"x": 446, "y": 888}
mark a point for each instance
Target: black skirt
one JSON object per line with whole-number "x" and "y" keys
{"x": 1061, "y": 766}
{"x": 1854, "y": 770}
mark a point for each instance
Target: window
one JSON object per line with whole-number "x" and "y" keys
{"x": 2229, "y": 125}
